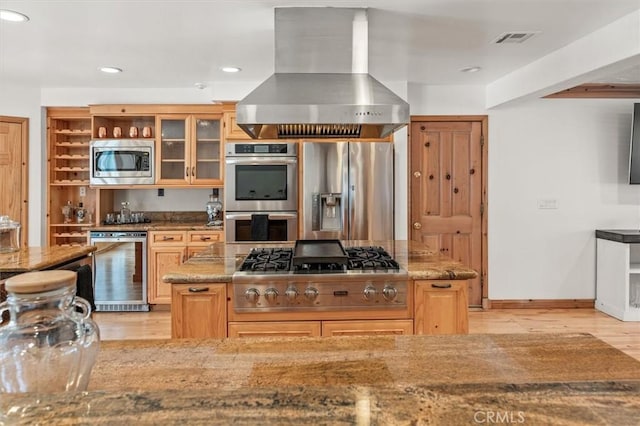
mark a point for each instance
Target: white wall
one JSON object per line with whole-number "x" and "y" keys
{"x": 23, "y": 102}
{"x": 573, "y": 151}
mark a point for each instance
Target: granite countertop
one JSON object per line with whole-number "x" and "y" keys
{"x": 156, "y": 226}
{"x": 38, "y": 258}
{"x": 560, "y": 379}
{"x": 221, "y": 260}
{"x": 619, "y": 235}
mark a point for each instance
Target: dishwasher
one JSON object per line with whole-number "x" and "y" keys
{"x": 120, "y": 270}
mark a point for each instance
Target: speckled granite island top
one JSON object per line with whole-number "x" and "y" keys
{"x": 560, "y": 379}
{"x": 38, "y": 258}
{"x": 220, "y": 261}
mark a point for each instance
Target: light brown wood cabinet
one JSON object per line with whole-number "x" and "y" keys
{"x": 199, "y": 310}
{"x": 199, "y": 240}
{"x": 275, "y": 328}
{"x": 189, "y": 149}
{"x": 68, "y": 135}
{"x": 441, "y": 307}
{"x": 231, "y": 129}
{"x": 169, "y": 249}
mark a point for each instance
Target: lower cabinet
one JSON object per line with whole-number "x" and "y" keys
{"x": 199, "y": 310}
{"x": 441, "y": 307}
{"x": 169, "y": 249}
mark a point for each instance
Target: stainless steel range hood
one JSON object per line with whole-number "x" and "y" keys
{"x": 321, "y": 87}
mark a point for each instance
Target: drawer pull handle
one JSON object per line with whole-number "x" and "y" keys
{"x": 443, "y": 285}
{"x": 165, "y": 238}
{"x": 204, "y": 238}
{"x": 197, "y": 289}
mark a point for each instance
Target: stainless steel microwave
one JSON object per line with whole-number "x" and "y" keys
{"x": 121, "y": 162}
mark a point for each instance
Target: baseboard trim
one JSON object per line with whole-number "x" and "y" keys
{"x": 541, "y": 304}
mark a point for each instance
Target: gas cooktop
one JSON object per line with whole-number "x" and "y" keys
{"x": 371, "y": 259}
{"x": 319, "y": 275}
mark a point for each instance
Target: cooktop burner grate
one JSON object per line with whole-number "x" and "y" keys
{"x": 267, "y": 259}
{"x": 280, "y": 260}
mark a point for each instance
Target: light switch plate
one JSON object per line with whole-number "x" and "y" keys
{"x": 83, "y": 191}
{"x": 548, "y": 203}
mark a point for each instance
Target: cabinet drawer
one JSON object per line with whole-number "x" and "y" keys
{"x": 276, "y": 328}
{"x": 204, "y": 237}
{"x": 168, "y": 237}
{"x": 367, "y": 328}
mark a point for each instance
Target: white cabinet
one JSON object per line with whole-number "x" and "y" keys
{"x": 618, "y": 279}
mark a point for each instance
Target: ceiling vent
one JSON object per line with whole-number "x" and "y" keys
{"x": 514, "y": 37}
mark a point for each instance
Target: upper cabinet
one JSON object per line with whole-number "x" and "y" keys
{"x": 189, "y": 149}
{"x": 231, "y": 129}
{"x": 188, "y": 138}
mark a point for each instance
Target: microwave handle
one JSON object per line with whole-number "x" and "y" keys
{"x": 262, "y": 161}
{"x": 272, "y": 216}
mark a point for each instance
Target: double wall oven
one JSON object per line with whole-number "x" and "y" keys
{"x": 261, "y": 191}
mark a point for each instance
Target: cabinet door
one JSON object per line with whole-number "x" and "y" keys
{"x": 172, "y": 150}
{"x": 441, "y": 307}
{"x": 367, "y": 328}
{"x": 276, "y": 328}
{"x": 231, "y": 129}
{"x": 162, "y": 260}
{"x": 199, "y": 311}
{"x": 206, "y": 150}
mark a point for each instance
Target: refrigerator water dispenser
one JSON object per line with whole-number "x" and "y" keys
{"x": 327, "y": 212}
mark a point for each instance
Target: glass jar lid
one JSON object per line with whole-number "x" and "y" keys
{"x": 7, "y": 223}
{"x": 40, "y": 281}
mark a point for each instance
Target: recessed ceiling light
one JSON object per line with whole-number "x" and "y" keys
{"x": 110, "y": 70}
{"x": 12, "y": 16}
{"x": 470, "y": 69}
{"x": 201, "y": 85}
{"x": 231, "y": 69}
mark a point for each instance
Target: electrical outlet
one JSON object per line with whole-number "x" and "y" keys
{"x": 160, "y": 192}
{"x": 83, "y": 191}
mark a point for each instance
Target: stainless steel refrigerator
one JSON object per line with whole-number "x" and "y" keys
{"x": 347, "y": 190}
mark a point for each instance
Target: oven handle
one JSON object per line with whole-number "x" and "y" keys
{"x": 247, "y": 216}
{"x": 255, "y": 161}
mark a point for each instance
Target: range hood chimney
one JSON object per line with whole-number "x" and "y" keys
{"x": 321, "y": 87}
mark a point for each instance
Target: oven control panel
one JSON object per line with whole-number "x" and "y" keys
{"x": 296, "y": 296}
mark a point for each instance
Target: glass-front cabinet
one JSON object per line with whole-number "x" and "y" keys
{"x": 189, "y": 149}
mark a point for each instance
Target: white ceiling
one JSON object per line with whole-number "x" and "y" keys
{"x": 174, "y": 44}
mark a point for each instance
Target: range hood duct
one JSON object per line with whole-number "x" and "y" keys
{"x": 321, "y": 87}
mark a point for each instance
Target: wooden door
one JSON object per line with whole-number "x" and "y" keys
{"x": 161, "y": 261}
{"x": 447, "y": 191}
{"x": 14, "y": 194}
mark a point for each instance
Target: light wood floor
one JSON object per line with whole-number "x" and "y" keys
{"x": 622, "y": 335}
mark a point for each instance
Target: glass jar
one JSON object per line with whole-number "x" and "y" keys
{"x": 50, "y": 343}
{"x": 9, "y": 235}
{"x": 125, "y": 212}
{"x": 214, "y": 211}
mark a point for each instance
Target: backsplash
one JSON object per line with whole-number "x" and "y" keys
{"x": 174, "y": 199}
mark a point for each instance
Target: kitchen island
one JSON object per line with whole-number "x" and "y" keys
{"x": 560, "y": 379}
{"x": 432, "y": 295}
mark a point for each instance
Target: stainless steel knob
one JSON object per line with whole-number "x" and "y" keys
{"x": 291, "y": 293}
{"x": 271, "y": 294}
{"x": 311, "y": 293}
{"x": 370, "y": 292}
{"x": 417, "y": 225}
{"x": 252, "y": 295}
{"x": 389, "y": 293}
{"x": 417, "y": 174}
